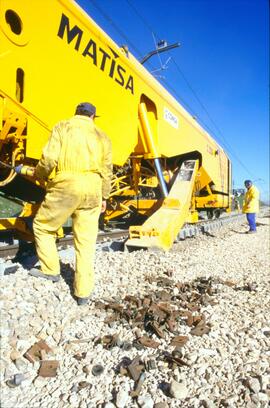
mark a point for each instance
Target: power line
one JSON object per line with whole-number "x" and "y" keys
{"x": 120, "y": 32}
{"x": 225, "y": 142}
{"x": 145, "y": 22}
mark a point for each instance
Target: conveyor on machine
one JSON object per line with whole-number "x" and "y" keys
{"x": 161, "y": 229}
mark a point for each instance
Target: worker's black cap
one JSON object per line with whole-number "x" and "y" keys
{"x": 86, "y": 109}
{"x": 248, "y": 183}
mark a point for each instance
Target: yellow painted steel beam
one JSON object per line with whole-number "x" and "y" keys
{"x": 143, "y": 207}
{"x": 147, "y": 132}
{"x": 212, "y": 201}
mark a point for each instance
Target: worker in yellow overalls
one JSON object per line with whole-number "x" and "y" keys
{"x": 81, "y": 155}
{"x": 251, "y": 205}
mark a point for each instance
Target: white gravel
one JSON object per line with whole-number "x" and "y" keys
{"x": 228, "y": 367}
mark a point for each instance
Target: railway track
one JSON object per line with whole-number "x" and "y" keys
{"x": 188, "y": 231}
{"x": 12, "y": 250}
{"x": 209, "y": 226}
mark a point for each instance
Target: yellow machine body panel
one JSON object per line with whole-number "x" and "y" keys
{"x": 54, "y": 56}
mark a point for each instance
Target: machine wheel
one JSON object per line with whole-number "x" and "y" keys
{"x": 217, "y": 213}
{"x": 210, "y": 214}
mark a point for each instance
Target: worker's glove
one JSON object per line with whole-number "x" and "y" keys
{"x": 18, "y": 169}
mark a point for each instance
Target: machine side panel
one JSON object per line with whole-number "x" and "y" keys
{"x": 66, "y": 58}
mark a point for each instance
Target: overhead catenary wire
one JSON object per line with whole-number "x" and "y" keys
{"x": 117, "y": 29}
{"x": 120, "y": 32}
{"x": 221, "y": 138}
{"x": 224, "y": 141}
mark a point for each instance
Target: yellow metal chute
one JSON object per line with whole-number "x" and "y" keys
{"x": 161, "y": 229}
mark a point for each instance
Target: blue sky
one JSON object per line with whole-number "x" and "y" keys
{"x": 220, "y": 73}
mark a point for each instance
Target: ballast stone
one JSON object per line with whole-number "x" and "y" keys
{"x": 254, "y": 385}
{"x": 122, "y": 399}
{"x": 145, "y": 401}
{"x": 178, "y": 390}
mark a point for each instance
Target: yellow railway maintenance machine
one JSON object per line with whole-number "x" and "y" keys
{"x": 167, "y": 168}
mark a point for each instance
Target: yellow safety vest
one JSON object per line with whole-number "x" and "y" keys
{"x": 251, "y": 202}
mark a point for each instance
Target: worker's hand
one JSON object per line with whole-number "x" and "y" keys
{"x": 18, "y": 169}
{"x": 103, "y": 206}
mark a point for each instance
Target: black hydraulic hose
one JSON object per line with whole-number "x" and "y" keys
{"x": 163, "y": 185}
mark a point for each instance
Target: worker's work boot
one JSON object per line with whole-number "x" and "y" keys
{"x": 38, "y": 274}
{"x": 82, "y": 301}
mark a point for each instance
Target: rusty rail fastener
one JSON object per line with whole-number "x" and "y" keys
{"x": 138, "y": 387}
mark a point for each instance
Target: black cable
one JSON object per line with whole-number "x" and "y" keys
{"x": 122, "y": 34}
{"x": 145, "y": 22}
{"x": 225, "y": 142}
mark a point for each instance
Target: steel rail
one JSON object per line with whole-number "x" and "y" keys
{"x": 188, "y": 231}
{"x": 208, "y": 226}
{"x": 11, "y": 250}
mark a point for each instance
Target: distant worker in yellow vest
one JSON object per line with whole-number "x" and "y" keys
{"x": 251, "y": 205}
{"x": 81, "y": 155}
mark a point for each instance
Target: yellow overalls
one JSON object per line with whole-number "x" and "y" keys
{"x": 81, "y": 155}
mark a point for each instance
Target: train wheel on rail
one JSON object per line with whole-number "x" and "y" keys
{"x": 210, "y": 214}
{"x": 217, "y": 213}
